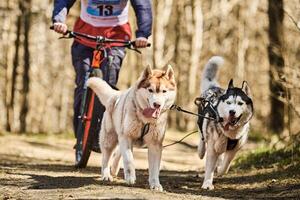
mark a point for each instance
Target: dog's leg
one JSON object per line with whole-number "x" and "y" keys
{"x": 201, "y": 148}
{"x": 219, "y": 163}
{"x": 108, "y": 142}
{"x": 154, "y": 158}
{"x": 228, "y": 157}
{"x": 210, "y": 165}
{"x": 107, "y": 147}
{"x": 126, "y": 151}
{"x": 115, "y": 167}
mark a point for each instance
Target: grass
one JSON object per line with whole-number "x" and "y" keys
{"x": 267, "y": 157}
{"x": 256, "y": 136}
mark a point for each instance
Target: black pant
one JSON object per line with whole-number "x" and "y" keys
{"x": 82, "y": 58}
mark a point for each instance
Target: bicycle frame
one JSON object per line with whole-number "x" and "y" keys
{"x": 96, "y": 64}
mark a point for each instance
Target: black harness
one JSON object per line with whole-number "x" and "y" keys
{"x": 144, "y": 131}
{"x": 205, "y": 107}
{"x": 231, "y": 143}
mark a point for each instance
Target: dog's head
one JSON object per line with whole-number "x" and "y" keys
{"x": 156, "y": 91}
{"x": 235, "y": 106}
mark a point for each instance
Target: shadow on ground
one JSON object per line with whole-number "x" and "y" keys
{"x": 265, "y": 184}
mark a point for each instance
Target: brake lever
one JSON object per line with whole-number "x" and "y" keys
{"x": 131, "y": 46}
{"x": 134, "y": 49}
{"x": 65, "y": 37}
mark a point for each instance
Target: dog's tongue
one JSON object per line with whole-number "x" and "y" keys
{"x": 231, "y": 119}
{"x": 151, "y": 112}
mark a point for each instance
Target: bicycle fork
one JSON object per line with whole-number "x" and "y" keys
{"x": 82, "y": 117}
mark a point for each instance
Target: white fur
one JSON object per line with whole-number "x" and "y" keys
{"x": 122, "y": 124}
{"x": 216, "y": 136}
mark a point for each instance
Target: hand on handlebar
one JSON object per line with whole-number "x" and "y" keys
{"x": 141, "y": 42}
{"x": 60, "y": 27}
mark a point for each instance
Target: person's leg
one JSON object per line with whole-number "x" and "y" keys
{"x": 110, "y": 68}
{"x": 81, "y": 59}
{"x": 112, "y": 65}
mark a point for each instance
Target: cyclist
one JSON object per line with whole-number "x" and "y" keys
{"x": 108, "y": 18}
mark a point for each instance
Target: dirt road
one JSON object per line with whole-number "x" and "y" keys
{"x": 38, "y": 167}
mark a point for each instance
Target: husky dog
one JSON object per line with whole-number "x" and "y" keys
{"x": 221, "y": 140}
{"x": 134, "y": 117}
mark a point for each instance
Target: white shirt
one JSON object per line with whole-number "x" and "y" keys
{"x": 102, "y": 13}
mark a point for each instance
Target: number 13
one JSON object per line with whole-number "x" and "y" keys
{"x": 105, "y": 10}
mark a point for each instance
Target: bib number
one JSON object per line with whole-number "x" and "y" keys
{"x": 105, "y": 10}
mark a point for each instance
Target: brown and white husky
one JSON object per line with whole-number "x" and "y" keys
{"x": 128, "y": 112}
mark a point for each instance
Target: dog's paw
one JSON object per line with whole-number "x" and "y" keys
{"x": 207, "y": 186}
{"x": 156, "y": 187}
{"x": 130, "y": 180}
{"x": 220, "y": 173}
{"x": 107, "y": 178}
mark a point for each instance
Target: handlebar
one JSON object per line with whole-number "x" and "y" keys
{"x": 99, "y": 39}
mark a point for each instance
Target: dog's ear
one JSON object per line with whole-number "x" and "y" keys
{"x": 246, "y": 88}
{"x": 169, "y": 72}
{"x": 230, "y": 85}
{"x": 143, "y": 80}
{"x": 147, "y": 72}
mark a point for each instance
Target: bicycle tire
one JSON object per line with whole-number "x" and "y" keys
{"x": 85, "y": 136}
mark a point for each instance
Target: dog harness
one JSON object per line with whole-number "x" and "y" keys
{"x": 144, "y": 131}
{"x": 205, "y": 107}
{"x": 231, "y": 143}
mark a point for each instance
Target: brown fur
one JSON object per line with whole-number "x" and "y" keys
{"x": 157, "y": 77}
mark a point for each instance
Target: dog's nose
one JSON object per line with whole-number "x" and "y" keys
{"x": 232, "y": 112}
{"x": 156, "y": 105}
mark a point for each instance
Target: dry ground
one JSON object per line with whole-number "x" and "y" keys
{"x": 41, "y": 167}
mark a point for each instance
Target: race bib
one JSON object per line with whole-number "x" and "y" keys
{"x": 105, "y": 8}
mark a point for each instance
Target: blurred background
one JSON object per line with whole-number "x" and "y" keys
{"x": 259, "y": 40}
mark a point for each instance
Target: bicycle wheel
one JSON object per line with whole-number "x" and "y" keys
{"x": 85, "y": 135}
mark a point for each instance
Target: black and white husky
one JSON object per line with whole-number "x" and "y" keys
{"x": 222, "y": 140}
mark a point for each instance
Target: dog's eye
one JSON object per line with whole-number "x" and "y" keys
{"x": 228, "y": 102}
{"x": 240, "y": 103}
{"x": 164, "y": 91}
{"x": 150, "y": 90}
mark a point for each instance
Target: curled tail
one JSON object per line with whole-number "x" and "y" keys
{"x": 210, "y": 73}
{"x": 104, "y": 92}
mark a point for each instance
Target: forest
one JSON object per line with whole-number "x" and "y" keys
{"x": 259, "y": 40}
{"x": 185, "y": 34}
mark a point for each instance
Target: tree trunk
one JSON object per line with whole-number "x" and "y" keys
{"x": 10, "y": 104}
{"x": 275, "y": 52}
{"x": 161, "y": 55}
{"x": 25, "y": 90}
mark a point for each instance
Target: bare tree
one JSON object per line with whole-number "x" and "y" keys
{"x": 11, "y": 101}
{"x": 276, "y": 59}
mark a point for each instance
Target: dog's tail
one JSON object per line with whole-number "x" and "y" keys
{"x": 210, "y": 73}
{"x": 104, "y": 92}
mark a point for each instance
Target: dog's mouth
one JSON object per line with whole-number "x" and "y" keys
{"x": 232, "y": 121}
{"x": 151, "y": 112}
